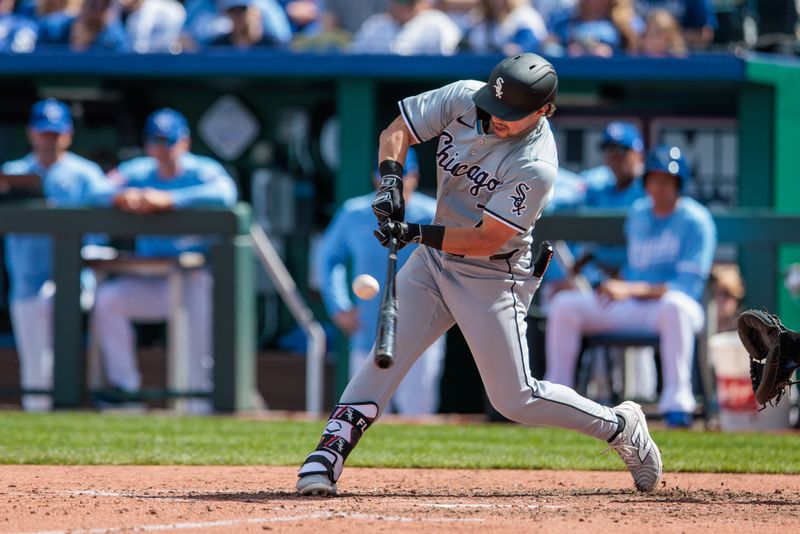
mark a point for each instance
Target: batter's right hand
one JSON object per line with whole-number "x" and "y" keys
{"x": 404, "y": 232}
{"x": 388, "y": 202}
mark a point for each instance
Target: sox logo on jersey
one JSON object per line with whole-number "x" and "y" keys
{"x": 519, "y": 199}
{"x": 474, "y": 173}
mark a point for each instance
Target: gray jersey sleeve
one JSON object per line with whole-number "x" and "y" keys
{"x": 427, "y": 114}
{"x": 519, "y": 202}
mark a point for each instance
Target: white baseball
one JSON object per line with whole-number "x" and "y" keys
{"x": 365, "y": 286}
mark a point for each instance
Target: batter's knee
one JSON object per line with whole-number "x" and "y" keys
{"x": 512, "y": 407}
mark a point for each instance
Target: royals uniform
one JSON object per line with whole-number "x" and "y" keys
{"x": 349, "y": 238}
{"x": 69, "y": 182}
{"x": 201, "y": 182}
{"x": 676, "y": 250}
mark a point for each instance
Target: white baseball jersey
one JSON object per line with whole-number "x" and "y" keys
{"x": 510, "y": 180}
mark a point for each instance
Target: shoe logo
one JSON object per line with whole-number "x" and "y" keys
{"x": 643, "y": 446}
{"x": 498, "y": 87}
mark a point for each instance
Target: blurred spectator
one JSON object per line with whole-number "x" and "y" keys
{"x": 36, "y": 9}
{"x": 349, "y": 16}
{"x": 696, "y": 18}
{"x": 96, "y": 27}
{"x": 206, "y": 21}
{"x": 346, "y": 241}
{"x": 548, "y": 8}
{"x": 597, "y": 28}
{"x": 153, "y": 25}
{"x": 662, "y": 35}
{"x": 17, "y": 33}
{"x": 508, "y": 27}
{"x": 305, "y": 16}
{"x": 247, "y": 28}
{"x": 465, "y": 13}
{"x": 67, "y": 180}
{"x": 671, "y": 241}
{"x": 410, "y": 27}
{"x": 330, "y": 37}
{"x": 168, "y": 178}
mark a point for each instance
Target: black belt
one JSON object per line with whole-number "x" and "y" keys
{"x": 504, "y": 256}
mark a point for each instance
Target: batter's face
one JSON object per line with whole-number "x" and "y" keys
{"x": 505, "y": 129}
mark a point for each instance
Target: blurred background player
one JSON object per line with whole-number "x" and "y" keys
{"x": 168, "y": 178}
{"x": 671, "y": 241}
{"x": 613, "y": 186}
{"x": 67, "y": 180}
{"x": 347, "y": 240}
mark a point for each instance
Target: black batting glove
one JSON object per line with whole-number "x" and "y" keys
{"x": 389, "y": 203}
{"x": 404, "y": 232}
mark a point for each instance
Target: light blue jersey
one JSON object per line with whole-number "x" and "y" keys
{"x": 201, "y": 182}
{"x": 70, "y": 182}
{"x": 676, "y": 250}
{"x": 602, "y": 194}
{"x": 349, "y": 239}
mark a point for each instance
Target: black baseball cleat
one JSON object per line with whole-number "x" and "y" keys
{"x": 636, "y": 448}
{"x": 318, "y": 485}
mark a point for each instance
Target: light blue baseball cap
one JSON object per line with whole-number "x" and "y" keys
{"x": 51, "y": 115}
{"x": 624, "y": 134}
{"x": 166, "y": 125}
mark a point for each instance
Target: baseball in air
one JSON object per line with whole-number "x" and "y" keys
{"x": 365, "y": 286}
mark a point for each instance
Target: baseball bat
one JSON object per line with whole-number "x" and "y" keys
{"x": 387, "y": 318}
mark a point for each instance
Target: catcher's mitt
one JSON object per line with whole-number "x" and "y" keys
{"x": 770, "y": 345}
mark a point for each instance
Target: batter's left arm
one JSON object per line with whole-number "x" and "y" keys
{"x": 483, "y": 240}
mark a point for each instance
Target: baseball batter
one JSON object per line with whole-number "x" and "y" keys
{"x": 496, "y": 165}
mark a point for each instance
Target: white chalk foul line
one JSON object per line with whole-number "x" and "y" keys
{"x": 489, "y": 505}
{"x": 259, "y": 520}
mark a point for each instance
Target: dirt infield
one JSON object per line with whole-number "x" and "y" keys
{"x": 257, "y": 499}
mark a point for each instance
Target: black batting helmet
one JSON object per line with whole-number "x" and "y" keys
{"x": 518, "y": 86}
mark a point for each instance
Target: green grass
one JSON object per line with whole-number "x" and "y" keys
{"x": 88, "y": 438}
